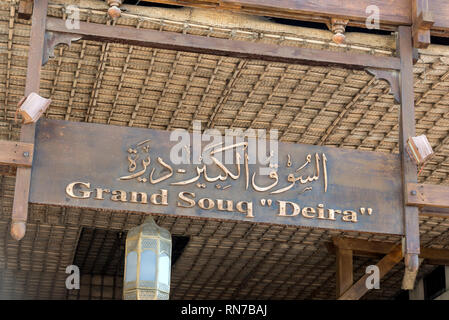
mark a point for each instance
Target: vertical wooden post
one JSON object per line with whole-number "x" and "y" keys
{"x": 344, "y": 270}
{"x": 409, "y": 173}
{"x": 23, "y": 177}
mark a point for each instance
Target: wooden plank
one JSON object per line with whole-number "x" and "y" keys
{"x": 344, "y": 273}
{"x": 409, "y": 171}
{"x": 97, "y": 154}
{"x": 16, "y": 153}
{"x": 427, "y": 195}
{"x": 23, "y": 176}
{"x": 359, "y": 289}
{"x": 224, "y": 47}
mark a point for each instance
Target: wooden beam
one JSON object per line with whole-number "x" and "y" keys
{"x": 359, "y": 289}
{"x": 23, "y": 176}
{"x": 224, "y": 47}
{"x": 409, "y": 172}
{"x": 434, "y": 212}
{"x": 422, "y": 23}
{"x": 361, "y": 247}
{"x": 391, "y": 13}
{"x": 427, "y": 195}
{"x": 16, "y": 153}
{"x": 344, "y": 270}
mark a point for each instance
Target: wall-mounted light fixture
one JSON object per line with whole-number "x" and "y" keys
{"x": 32, "y": 107}
{"x": 147, "y": 263}
{"x": 419, "y": 149}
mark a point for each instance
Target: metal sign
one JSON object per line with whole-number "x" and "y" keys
{"x": 142, "y": 170}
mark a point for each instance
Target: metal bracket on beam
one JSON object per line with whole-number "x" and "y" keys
{"x": 52, "y": 39}
{"x": 392, "y": 77}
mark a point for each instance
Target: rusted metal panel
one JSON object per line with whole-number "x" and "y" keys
{"x": 333, "y": 188}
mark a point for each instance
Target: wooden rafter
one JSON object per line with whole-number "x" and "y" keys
{"x": 391, "y": 13}
{"x": 223, "y": 47}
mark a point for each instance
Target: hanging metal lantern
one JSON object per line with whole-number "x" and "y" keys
{"x": 147, "y": 263}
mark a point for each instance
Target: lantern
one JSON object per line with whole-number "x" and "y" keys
{"x": 147, "y": 262}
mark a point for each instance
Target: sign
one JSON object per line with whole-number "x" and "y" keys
{"x": 141, "y": 170}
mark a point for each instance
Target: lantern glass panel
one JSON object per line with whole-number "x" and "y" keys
{"x": 164, "y": 269}
{"x": 131, "y": 266}
{"x": 148, "y": 266}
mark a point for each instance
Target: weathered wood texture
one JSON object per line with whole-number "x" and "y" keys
{"x": 409, "y": 171}
{"x": 16, "y": 153}
{"x": 359, "y": 289}
{"x": 224, "y": 47}
{"x": 427, "y": 195}
{"x": 22, "y": 188}
{"x": 357, "y": 180}
{"x": 392, "y": 12}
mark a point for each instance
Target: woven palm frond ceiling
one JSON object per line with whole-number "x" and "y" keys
{"x": 126, "y": 85}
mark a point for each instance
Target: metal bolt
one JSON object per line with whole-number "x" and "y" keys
{"x": 413, "y": 192}
{"x": 26, "y": 154}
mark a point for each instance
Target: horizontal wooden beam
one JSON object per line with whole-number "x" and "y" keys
{"x": 16, "y": 153}
{"x": 392, "y": 13}
{"x": 427, "y": 195}
{"x": 223, "y": 47}
{"x": 359, "y": 289}
{"x": 434, "y": 212}
{"x": 362, "y": 247}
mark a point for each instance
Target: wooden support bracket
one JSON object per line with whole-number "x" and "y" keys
{"x": 359, "y": 289}
{"x": 16, "y": 153}
{"x": 390, "y": 254}
{"x": 392, "y": 77}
